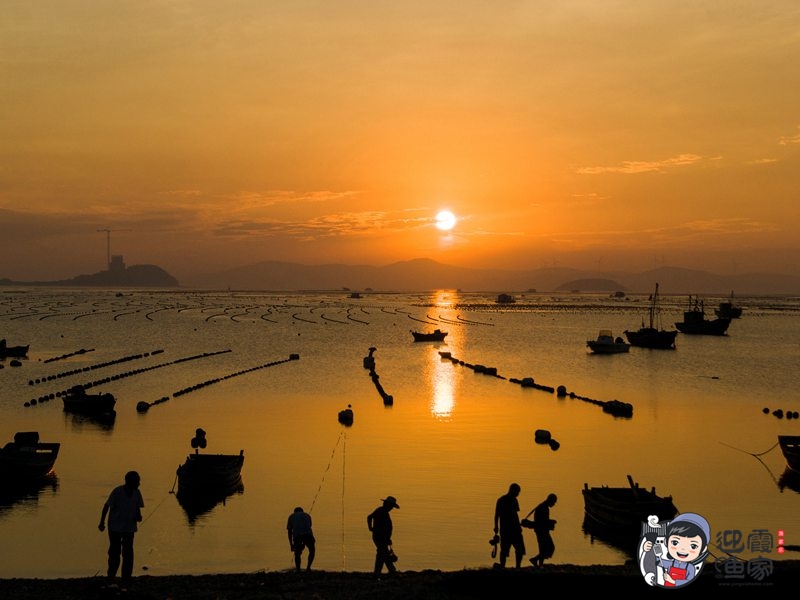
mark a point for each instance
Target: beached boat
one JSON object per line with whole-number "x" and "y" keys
{"x": 7, "y": 351}
{"x": 652, "y": 335}
{"x": 27, "y": 458}
{"x": 626, "y": 507}
{"x": 437, "y": 335}
{"x": 695, "y": 322}
{"x": 606, "y": 343}
{"x": 790, "y": 446}
{"x": 728, "y": 310}
{"x": 76, "y": 400}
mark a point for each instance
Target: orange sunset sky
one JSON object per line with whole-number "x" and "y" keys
{"x": 206, "y": 135}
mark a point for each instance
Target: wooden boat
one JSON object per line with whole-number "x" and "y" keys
{"x": 436, "y": 335}
{"x": 649, "y": 336}
{"x": 209, "y": 473}
{"x": 626, "y": 508}
{"x": 695, "y": 322}
{"x": 27, "y": 458}
{"x": 728, "y": 310}
{"x": 7, "y": 351}
{"x": 790, "y": 446}
{"x": 606, "y": 343}
{"x": 76, "y": 400}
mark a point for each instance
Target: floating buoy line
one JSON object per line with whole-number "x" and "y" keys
{"x": 612, "y": 407}
{"x": 144, "y": 406}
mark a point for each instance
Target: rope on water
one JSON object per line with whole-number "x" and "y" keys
{"x": 333, "y": 454}
{"x": 756, "y": 454}
{"x": 344, "y": 454}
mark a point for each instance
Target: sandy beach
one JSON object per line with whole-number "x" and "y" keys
{"x": 429, "y": 584}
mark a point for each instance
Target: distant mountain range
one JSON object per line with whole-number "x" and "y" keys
{"x": 426, "y": 274}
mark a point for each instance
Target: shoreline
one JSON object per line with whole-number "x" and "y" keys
{"x": 330, "y": 585}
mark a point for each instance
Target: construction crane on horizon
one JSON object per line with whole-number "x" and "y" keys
{"x": 108, "y": 244}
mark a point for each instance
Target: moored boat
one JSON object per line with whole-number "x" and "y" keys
{"x": 76, "y": 400}
{"x": 790, "y": 446}
{"x": 7, "y": 351}
{"x": 626, "y": 507}
{"x": 695, "y": 322}
{"x": 208, "y": 473}
{"x": 606, "y": 343}
{"x": 505, "y": 299}
{"x": 27, "y": 458}
{"x": 437, "y": 335}
{"x": 728, "y": 310}
{"x": 651, "y": 336}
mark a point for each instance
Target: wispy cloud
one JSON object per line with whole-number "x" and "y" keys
{"x": 642, "y": 166}
{"x": 763, "y": 161}
{"x": 790, "y": 139}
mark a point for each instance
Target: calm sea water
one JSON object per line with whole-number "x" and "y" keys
{"x": 450, "y": 444}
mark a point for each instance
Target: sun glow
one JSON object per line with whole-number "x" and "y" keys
{"x": 445, "y": 220}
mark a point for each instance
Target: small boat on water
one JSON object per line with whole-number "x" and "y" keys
{"x": 790, "y": 446}
{"x": 606, "y": 343}
{"x": 346, "y": 416}
{"x": 728, "y": 310}
{"x": 626, "y": 507}
{"x": 7, "y": 351}
{"x": 209, "y": 473}
{"x": 26, "y": 458}
{"x": 652, "y": 335}
{"x": 505, "y": 299}
{"x": 695, "y": 322}
{"x": 437, "y": 335}
{"x": 76, "y": 400}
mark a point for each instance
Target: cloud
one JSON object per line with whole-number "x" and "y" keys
{"x": 763, "y": 161}
{"x": 784, "y": 140}
{"x": 640, "y": 166}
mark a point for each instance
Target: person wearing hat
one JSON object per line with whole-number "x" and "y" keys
{"x": 687, "y": 547}
{"x": 301, "y": 536}
{"x": 379, "y": 523}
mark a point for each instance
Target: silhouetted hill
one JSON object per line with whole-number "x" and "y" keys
{"x": 591, "y": 285}
{"x": 133, "y": 276}
{"x": 426, "y": 274}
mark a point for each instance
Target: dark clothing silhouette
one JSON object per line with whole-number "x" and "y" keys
{"x": 506, "y": 522}
{"x": 298, "y": 527}
{"x": 379, "y": 523}
{"x": 542, "y": 526}
{"x": 124, "y": 510}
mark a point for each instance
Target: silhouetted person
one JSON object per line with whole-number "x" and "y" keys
{"x": 301, "y": 537}
{"x": 379, "y": 523}
{"x": 124, "y": 511}
{"x": 506, "y": 522}
{"x": 542, "y": 526}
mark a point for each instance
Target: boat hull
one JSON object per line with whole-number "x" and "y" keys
{"x": 704, "y": 326}
{"x": 649, "y": 337}
{"x": 434, "y": 336}
{"x": 23, "y": 460}
{"x": 790, "y": 446}
{"x": 625, "y": 508}
{"x": 209, "y": 473}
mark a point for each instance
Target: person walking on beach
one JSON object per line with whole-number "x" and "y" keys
{"x": 542, "y": 526}
{"x": 506, "y": 522}
{"x": 301, "y": 537}
{"x": 379, "y": 523}
{"x": 124, "y": 510}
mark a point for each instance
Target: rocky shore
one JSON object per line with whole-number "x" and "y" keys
{"x": 425, "y": 585}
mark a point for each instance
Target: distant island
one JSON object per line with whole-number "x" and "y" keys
{"x": 117, "y": 275}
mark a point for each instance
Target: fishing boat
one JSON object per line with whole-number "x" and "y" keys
{"x": 26, "y": 458}
{"x": 505, "y": 299}
{"x": 7, "y": 351}
{"x": 437, "y": 335}
{"x": 651, "y": 336}
{"x": 76, "y": 400}
{"x": 209, "y": 473}
{"x": 790, "y": 446}
{"x": 626, "y": 507}
{"x": 606, "y": 343}
{"x": 728, "y": 310}
{"x": 695, "y": 322}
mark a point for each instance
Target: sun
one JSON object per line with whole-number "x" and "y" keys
{"x": 445, "y": 220}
